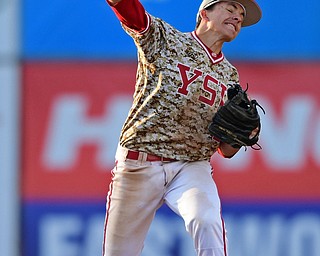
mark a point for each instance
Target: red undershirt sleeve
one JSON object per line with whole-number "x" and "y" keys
{"x": 131, "y": 13}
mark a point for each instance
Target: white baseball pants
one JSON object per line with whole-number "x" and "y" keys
{"x": 138, "y": 188}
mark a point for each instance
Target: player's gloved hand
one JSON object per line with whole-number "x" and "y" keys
{"x": 237, "y": 122}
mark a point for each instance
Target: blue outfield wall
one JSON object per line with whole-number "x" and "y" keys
{"x": 89, "y": 30}
{"x": 254, "y": 229}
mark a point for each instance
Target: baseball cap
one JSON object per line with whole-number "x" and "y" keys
{"x": 252, "y": 9}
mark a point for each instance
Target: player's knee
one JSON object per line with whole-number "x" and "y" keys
{"x": 205, "y": 223}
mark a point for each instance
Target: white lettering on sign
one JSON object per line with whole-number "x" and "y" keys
{"x": 287, "y": 138}
{"x": 70, "y": 127}
{"x": 285, "y": 141}
{"x": 249, "y": 234}
{"x": 94, "y": 235}
{"x": 257, "y": 236}
{"x": 274, "y": 235}
{"x": 70, "y": 235}
{"x": 59, "y": 235}
{"x": 305, "y": 235}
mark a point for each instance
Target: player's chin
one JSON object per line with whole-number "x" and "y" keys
{"x": 229, "y": 38}
{"x": 230, "y": 35}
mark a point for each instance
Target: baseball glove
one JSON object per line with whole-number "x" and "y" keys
{"x": 237, "y": 122}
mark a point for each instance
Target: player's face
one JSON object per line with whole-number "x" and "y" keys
{"x": 226, "y": 19}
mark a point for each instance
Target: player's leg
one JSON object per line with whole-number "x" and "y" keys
{"x": 135, "y": 194}
{"x": 193, "y": 195}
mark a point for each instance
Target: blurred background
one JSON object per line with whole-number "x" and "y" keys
{"x": 67, "y": 74}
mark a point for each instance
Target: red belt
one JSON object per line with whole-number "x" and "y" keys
{"x": 134, "y": 155}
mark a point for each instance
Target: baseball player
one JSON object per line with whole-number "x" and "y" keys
{"x": 165, "y": 147}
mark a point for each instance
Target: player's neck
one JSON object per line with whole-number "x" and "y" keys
{"x": 214, "y": 43}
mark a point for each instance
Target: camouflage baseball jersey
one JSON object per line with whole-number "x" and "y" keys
{"x": 179, "y": 87}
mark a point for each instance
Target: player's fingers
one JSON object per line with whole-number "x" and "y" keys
{"x": 254, "y": 133}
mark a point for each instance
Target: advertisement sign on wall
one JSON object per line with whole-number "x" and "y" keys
{"x": 70, "y": 229}
{"x": 73, "y": 114}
